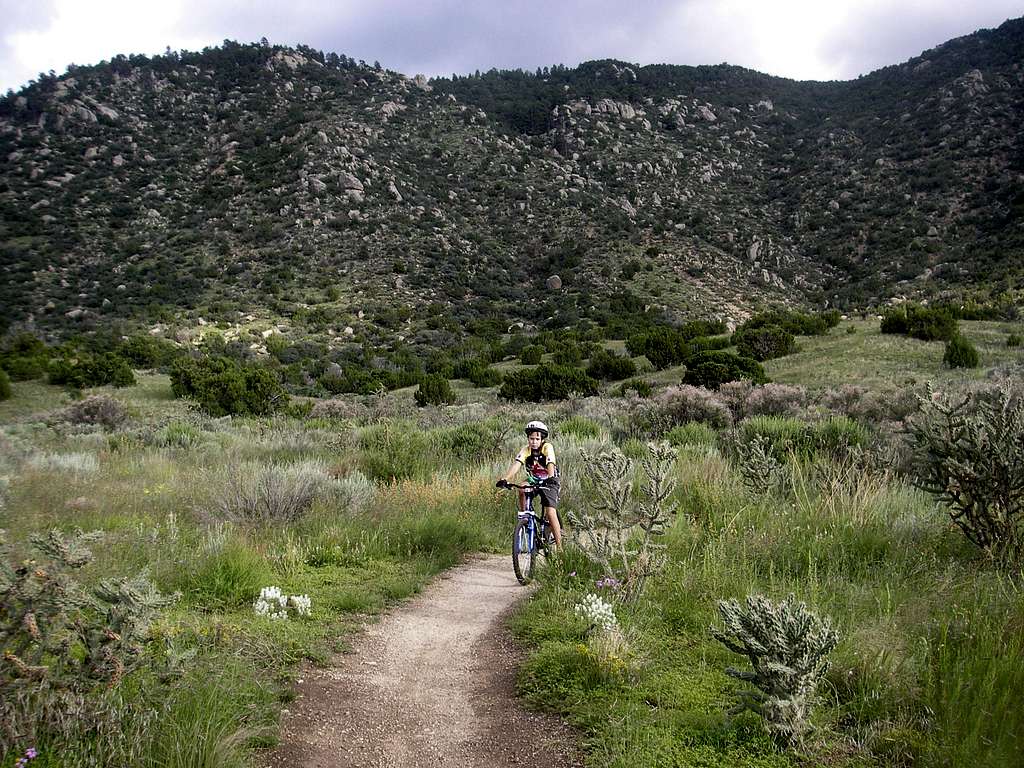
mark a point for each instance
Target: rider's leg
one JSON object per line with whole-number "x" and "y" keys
{"x": 522, "y": 500}
{"x": 552, "y": 515}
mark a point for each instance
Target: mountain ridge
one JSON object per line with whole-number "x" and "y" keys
{"x": 307, "y": 190}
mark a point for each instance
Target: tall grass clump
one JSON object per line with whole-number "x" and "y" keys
{"x": 579, "y": 427}
{"x": 207, "y": 718}
{"x": 76, "y": 463}
{"x": 222, "y": 571}
{"x": 256, "y": 493}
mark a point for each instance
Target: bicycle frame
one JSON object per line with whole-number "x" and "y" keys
{"x": 529, "y": 538}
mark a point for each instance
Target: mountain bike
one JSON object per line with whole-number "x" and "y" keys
{"x": 532, "y": 536}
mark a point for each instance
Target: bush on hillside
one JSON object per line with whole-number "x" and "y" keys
{"x": 24, "y": 357}
{"x": 1014, "y": 340}
{"x": 794, "y": 322}
{"x": 148, "y": 351}
{"x": 79, "y": 369}
{"x": 607, "y": 366}
{"x": 960, "y": 353}
{"x": 641, "y": 387}
{"x": 567, "y": 353}
{"x": 477, "y": 372}
{"x": 765, "y": 343}
{"x": 927, "y": 324}
{"x": 104, "y": 410}
{"x": 712, "y": 369}
{"x": 5, "y": 386}
{"x": 222, "y": 386}
{"x": 531, "y": 355}
{"x": 662, "y": 346}
{"x": 435, "y": 389}
{"x": 547, "y": 382}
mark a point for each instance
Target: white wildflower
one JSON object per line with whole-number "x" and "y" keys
{"x": 273, "y": 603}
{"x": 302, "y": 604}
{"x": 597, "y": 612}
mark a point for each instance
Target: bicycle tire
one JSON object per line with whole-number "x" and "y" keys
{"x": 524, "y": 551}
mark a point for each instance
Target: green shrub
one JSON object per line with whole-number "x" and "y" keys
{"x": 1014, "y": 340}
{"x": 694, "y": 433}
{"x": 960, "y": 353}
{"x": 148, "y": 351}
{"x": 24, "y": 357}
{"x": 434, "y": 389}
{"x": 547, "y": 382}
{"x": 579, "y": 427}
{"x": 794, "y": 322}
{"x": 712, "y": 369}
{"x": 641, "y": 387}
{"x": 79, "y": 369}
{"x": 610, "y": 367}
{"x": 5, "y": 385}
{"x": 662, "y": 346}
{"x": 925, "y": 323}
{"x": 472, "y": 442}
{"x": 222, "y": 386}
{"x": 765, "y": 343}
{"x": 477, "y": 372}
{"x": 396, "y": 451}
{"x": 568, "y": 354}
{"x": 531, "y": 355}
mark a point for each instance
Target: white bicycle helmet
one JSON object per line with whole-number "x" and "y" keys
{"x": 537, "y": 426}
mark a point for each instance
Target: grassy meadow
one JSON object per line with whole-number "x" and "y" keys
{"x": 361, "y": 502}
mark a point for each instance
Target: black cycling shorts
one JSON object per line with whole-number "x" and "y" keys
{"x": 548, "y": 493}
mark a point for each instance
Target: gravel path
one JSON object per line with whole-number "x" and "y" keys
{"x": 431, "y": 684}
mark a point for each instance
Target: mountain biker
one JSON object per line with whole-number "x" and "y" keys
{"x": 538, "y": 459}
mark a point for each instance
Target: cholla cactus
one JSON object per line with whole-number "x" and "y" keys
{"x": 619, "y": 531}
{"x": 971, "y": 456}
{"x": 786, "y": 645}
{"x": 761, "y": 471}
{"x": 599, "y": 613}
{"x": 63, "y": 644}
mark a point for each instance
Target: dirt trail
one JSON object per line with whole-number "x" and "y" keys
{"x": 431, "y": 684}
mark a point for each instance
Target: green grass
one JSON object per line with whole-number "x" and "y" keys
{"x": 930, "y": 655}
{"x": 875, "y": 360}
{"x": 154, "y": 500}
{"x": 927, "y": 673}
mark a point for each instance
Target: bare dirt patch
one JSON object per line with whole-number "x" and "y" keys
{"x": 431, "y": 684}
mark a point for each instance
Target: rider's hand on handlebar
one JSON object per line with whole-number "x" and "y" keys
{"x": 503, "y": 483}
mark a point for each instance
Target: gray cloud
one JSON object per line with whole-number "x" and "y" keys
{"x": 888, "y": 34}
{"x": 438, "y": 37}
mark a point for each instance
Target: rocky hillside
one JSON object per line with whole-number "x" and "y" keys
{"x": 259, "y": 185}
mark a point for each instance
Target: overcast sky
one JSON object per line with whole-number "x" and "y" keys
{"x": 801, "y": 39}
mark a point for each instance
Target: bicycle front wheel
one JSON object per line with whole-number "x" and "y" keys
{"x": 524, "y": 551}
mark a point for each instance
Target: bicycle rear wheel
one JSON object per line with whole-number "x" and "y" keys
{"x": 524, "y": 550}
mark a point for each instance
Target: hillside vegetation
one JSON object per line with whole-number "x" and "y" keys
{"x": 264, "y": 188}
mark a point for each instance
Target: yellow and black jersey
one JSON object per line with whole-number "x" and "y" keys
{"x": 539, "y": 464}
